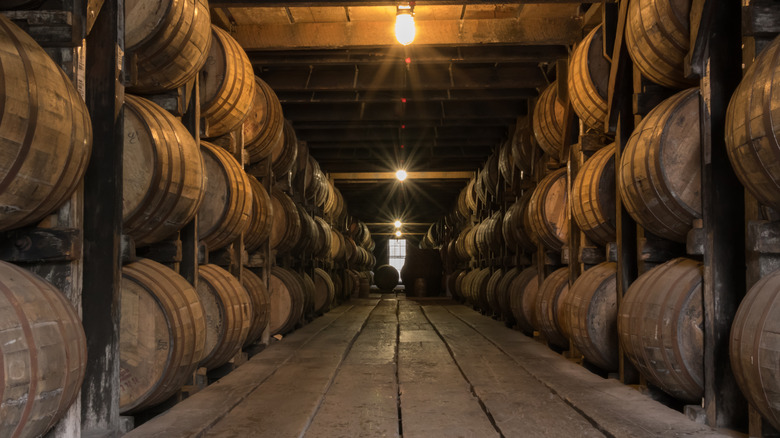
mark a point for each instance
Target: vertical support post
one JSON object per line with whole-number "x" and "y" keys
{"x": 103, "y": 222}
{"x": 188, "y": 235}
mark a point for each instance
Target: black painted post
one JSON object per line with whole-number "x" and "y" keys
{"x": 103, "y": 222}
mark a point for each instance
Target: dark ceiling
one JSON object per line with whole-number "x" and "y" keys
{"x": 364, "y": 103}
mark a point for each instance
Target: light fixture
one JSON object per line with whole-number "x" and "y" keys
{"x": 398, "y": 233}
{"x": 404, "y": 24}
{"x": 397, "y": 224}
{"x": 401, "y": 174}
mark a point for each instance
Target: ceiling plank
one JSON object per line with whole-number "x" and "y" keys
{"x": 390, "y": 96}
{"x": 528, "y": 31}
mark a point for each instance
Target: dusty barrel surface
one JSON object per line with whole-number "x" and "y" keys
{"x": 503, "y": 294}
{"x": 227, "y": 205}
{"x": 590, "y": 310}
{"x": 593, "y": 196}
{"x": 283, "y": 159}
{"x": 660, "y": 327}
{"x": 589, "y": 80}
{"x": 162, "y": 334}
{"x": 227, "y": 85}
{"x": 753, "y": 348}
{"x": 286, "y": 225}
{"x": 324, "y": 291}
{"x": 45, "y": 131}
{"x": 43, "y": 347}
{"x": 488, "y": 235}
{"x": 264, "y": 126}
{"x": 169, "y": 40}
{"x": 546, "y": 217}
{"x": 658, "y": 39}
{"x": 262, "y": 216}
{"x": 524, "y": 290}
{"x": 513, "y": 227}
{"x": 324, "y": 238}
{"x": 258, "y": 294}
{"x": 163, "y": 173}
{"x": 287, "y": 300}
{"x": 548, "y": 303}
{"x": 660, "y": 178}
{"x": 491, "y": 292}
{"x": 753, "y": 128}
{"x": 386, "y": 277}
{"x": 228, "y": 311}
{"x": 548, "y": 121}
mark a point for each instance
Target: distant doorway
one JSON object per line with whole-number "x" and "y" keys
{"x": 397, "y": 251}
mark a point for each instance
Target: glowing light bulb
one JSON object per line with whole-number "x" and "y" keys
{"x": 401, "y": 175}
{"x": 398, "y": 233}
{"x": 397, "y": 224}
{"x": 404, "y": 26}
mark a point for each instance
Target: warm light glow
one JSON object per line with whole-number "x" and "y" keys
{"x": 401, "y": 175}
{"x": 404, "y": 26}
{"x": 398, "y": 233}
{"x": 397, "y": 224}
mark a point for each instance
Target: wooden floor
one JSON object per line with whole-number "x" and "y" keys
{"x": 429, "y": 368}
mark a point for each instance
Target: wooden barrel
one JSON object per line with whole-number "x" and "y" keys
{"x": 309, "y": 236}
{"x": 491, "y": 292}
{"x": 470, "y": 243}
{"x": 525, "y": 151}
{"x": 471, "y": 195}
{"x": 753, "y": 128}
{"x": 287, "y": 300}
{"x": 491, "y": 173}
{"x": 590, "y": 313}
{"x": 227, "y": 85}
{"x": 460, "y": 293}
{"x": 478, "y": 288}
{"x": 264, "y": 126}
{"x": 549, "y": 300}
{"x": 658, "y": 40}
{"x": 523, "y": 291}
{"x": 283, "y": 159}
{"x": 163, "y": 180}
{"x": 504, "y": 296}
{"x": 352, "y": 280}
{"x": 169, "y": 41}
{"x": 593, "y": 196}
{"x": 386, "y": 278}
{"x": 43, "y": 350}
{"x": 324, "y": 291}
{"x": 227, "y": 206}
{"x": 513, "y": 227}
{"x": 548, "y": 121}
{"x": 162, "y": 334}
{"x": 753, "y": 348}
{"x": 337, "y": 246}
{"x": 660, "y": 177}
{"x": 660, "y": 328}
{"x": 286, "y": 223}
{"x": 589, "y": 80}
{"x": 261, "y": 302}
{"x": 46, "y": 134}
{"x": 308, "y": 293}
{"x": 338, "y": 287}
{"x": 228, "y": 311}
{"x": 324, "y": 238}
{"x": 488, "y": 235}
{"x": 465, "y": 286}
{"x": 262, "y": 216}
{"x": 547, "y": 220}
{"x": 506, "y": 161}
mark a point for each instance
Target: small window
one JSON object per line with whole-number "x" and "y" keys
{"x": 397, "y": 252}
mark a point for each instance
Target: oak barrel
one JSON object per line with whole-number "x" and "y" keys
{"x": 261, "y": 221}
{"x": 44, "y": 352}
{"x": 549, "y": 300}
{"x": 658, "y": 40}
{"x": 228, "y": 311}
{"x": 227, "y": 206}
{"x": 660, "y": 169}
{"x": 590, "y": 312}
{"x": 324, "y": 238}
{"x": 286, "y": 224}
{"x": 504, "y": 296}
{"x": 506, "y": 161}
{"x": 162, "y": 334}
{"x": 754, "y": 347}
{"x": 589, "y": 80}
{"x": 386, "y": 278}
{"x": 753, "y": 128}
{"x": 324, "y": 291}
{"x": 169, "y": 41}
{"x": 548, "y": 121}
{"x": 491, "y": 292}
{"x": 488, "y": 235}
{"x": 283, "y": 159}
{"x": 307, "y": 240}
{"x": 525, "y": 151}
{"x": 660, "y": 327}
{"x": 227, "y": 85}
{"x": 337, "y": 246}
{"x": 261, "y": 303}
{"x": 287, "y": 300}
{"x": 523, "y": 292}
{"x": 45, "y": 131}
{"x": 593, "y": 196}
{"x": 263, "y": 127}
{"x": 547, "y": 218}
{"x": 163, "y": 182}
{"x": 513, "y": 227}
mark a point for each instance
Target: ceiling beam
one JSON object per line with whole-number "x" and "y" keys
{"x": 312, "y": 3}
{"x": 373, "y": 176}
{"x": 336, "y": 35}
{"x": 341, "y": 125}
{"x": 394, "y": 96}
{"x": 300, "y": 112}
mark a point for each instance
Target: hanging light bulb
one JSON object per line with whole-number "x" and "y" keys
{"x": 401, "y": 175}
{"x": 397, "y": 224}
{"x": 398, "y": 233}
{"x": 404, "y": 24}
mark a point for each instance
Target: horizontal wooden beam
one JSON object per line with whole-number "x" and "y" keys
{"x": 395, "y": 96}
{"x": 528, "y": 31}
{"x": 313, "y": 3}
{"x": 411, "y": 134}
{"x": 400, "y": 111}
{"x": 373, "y": 176}
{"x": 340, "y": 125}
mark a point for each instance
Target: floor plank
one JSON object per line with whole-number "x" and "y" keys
{"x": 435, "y": 399}
{"x": 519, "y": 404}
